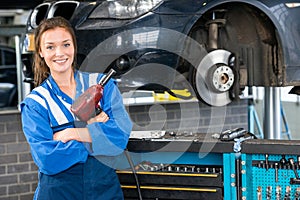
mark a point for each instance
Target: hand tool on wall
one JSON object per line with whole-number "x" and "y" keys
{"x": 278, "y": 192}
{"x": 269, "y": 193}
{"x": 287, "y": 195}
{"x": 276, "y": 172}
{"x": 297, "y": 179}
{"x": 259, "y": 193}
{"x": 267, "y": 161}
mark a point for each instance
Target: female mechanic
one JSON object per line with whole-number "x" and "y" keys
{"x": 74, "y": 162}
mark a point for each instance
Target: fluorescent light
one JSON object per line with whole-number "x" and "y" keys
{"x": 292, "y": 5}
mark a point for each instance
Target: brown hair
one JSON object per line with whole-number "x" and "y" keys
{"x": 41, "y": 70}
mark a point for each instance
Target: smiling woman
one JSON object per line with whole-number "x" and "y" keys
{"x": 57, "y": 49}
{"x": 56, "y": 135}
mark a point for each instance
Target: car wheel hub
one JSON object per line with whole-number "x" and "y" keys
{"x": 223, "y": 78}
{"x": 215, "y": 77}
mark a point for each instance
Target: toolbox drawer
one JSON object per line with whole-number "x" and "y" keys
{"x": 171, "y": 178}
{"x": 174, "y": 182}
{"x": 162, "y": 192}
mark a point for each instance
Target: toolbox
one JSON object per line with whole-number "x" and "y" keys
{"x": 202, "y": 167}
{"x": 175, "y": 181}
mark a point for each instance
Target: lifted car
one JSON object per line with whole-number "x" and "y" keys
{"x": 214, "y": 48}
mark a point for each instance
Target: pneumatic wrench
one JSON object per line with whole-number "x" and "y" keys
{"x": 87, "y": 104}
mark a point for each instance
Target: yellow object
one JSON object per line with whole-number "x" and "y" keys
{"x": 30, "y": 40}
{"x": 166, "y": 96}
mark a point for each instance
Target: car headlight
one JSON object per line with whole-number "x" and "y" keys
{"x": 123, "y": 9}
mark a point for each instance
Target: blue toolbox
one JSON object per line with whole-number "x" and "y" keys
{"x": 199, "y": 166}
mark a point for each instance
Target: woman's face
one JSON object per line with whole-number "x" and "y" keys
{"x": 57, "y": 49}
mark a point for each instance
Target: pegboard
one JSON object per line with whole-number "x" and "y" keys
{"x": 260, "y": 178}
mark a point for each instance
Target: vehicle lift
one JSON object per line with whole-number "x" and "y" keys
{"x": 273, "y": 111}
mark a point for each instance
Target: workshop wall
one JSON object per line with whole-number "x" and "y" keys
{"x": 189, "y": 116}
{"x": 18, "y": 173}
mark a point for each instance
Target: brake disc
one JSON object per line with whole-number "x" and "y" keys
{"x": 215, "y": 77}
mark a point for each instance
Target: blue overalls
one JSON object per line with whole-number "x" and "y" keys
{"x": 83, "y": 181}
{"x": 72, "y": 170}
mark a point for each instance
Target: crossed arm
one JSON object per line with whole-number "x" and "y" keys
{"x": 79, "y": 134}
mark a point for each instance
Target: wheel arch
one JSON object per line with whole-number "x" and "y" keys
{"x": 268, "y": 38}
